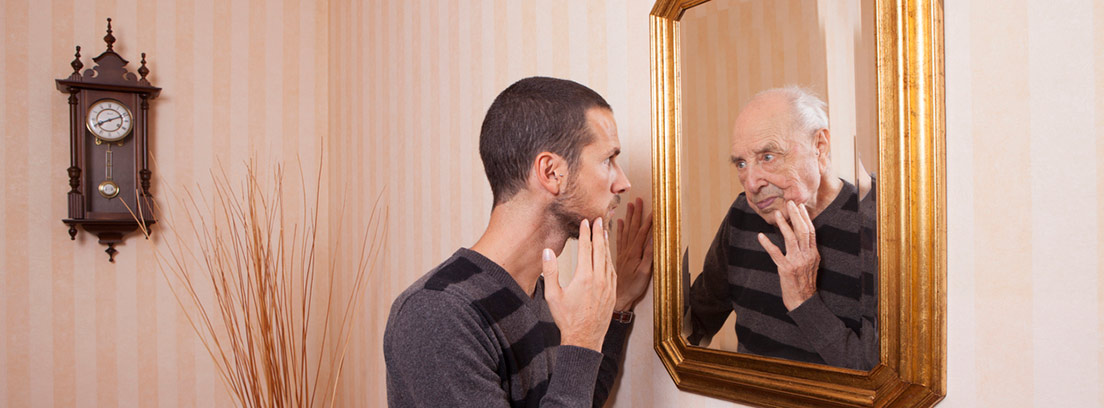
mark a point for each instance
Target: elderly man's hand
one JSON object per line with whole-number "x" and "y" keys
{"x": 797, "y": 269}
{"x": 634, "y": 256}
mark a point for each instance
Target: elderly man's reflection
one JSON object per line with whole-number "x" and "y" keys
{"x": 794, "y": 257}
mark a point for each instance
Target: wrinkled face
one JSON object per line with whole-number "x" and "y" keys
{"x": 776, "y": 162}
{"x": 595, "y": 185}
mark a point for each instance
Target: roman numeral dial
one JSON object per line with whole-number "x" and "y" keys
{"x": 109, "y": 120}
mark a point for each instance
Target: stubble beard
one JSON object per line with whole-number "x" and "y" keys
{"x": 766, "y": 192}
{"x": 564, "y": 211}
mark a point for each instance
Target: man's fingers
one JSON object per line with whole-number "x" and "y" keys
{"x": 801, "y": 230}
{"x": 622, "y": 241}
{"x": 599, "y": 245}
{"x": 641, "y": 235}
{"x": 809, "y": 223}
{"x": 772, "y": 250}
{"x": 586, "y": 256}
{"x": 646, "y": 227}
{"x": 611, "y": 270}
{"x": 634, "y": 214}
{"x": 551, "y": 271}
{"x": 787, "y": 232}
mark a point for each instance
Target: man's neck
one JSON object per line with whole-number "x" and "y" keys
{"x": 514, "y": 239}
{"x": 830, "y": 187}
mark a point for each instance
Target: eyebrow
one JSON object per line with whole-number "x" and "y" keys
{"x": 768, "y": 147}
{"x": 616, "y": 151}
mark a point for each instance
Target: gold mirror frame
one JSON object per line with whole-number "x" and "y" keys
{"x": 911, "y": 222}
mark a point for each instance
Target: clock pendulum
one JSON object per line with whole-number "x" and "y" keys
{"x": 108, "y": 188}
{"x": 110, "y": 123}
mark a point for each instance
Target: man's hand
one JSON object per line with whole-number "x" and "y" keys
{"x": 634, "y": 256}
{"x": 797, "y": 269}
{"x": 583, "y": 309}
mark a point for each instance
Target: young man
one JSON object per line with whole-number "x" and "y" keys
{"x": 484, "y": 328}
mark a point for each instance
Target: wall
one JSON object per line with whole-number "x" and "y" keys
{"x": 1025, "y": 202}
{"x": 241, "y": 79}
{"x": 397, "y": 89}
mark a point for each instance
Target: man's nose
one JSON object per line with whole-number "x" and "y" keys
{"x": 753, "y": 179}
{"x": 621, "y": 185}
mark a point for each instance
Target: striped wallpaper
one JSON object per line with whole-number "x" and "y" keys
{"x": 241, "y": 79}
{"x": 1025, "y": 181}
{"x": 392, "y": 93}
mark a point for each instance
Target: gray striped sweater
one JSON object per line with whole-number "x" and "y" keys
{"x": 467, "y": 335}
{"x": 837, "y": 326}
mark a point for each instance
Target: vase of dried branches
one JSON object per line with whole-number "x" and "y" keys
{"x": 247, "y": 274}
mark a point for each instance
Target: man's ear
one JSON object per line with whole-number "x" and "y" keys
{"x": 822, "y": 143}
{"x": 549, "y": 172}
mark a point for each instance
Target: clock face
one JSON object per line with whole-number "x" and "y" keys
{"x": 109, "y": 120}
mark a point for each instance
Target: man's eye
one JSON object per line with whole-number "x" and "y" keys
{"x": 768, "y": 157}
{"x": 741, "y": 164}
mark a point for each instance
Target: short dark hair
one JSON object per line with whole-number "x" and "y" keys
{"x": 534, "y": 115}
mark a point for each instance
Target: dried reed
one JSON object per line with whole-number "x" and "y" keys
{"x": 246, "y": 275}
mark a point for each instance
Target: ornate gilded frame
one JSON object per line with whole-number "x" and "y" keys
{"x": 912, "y": 231}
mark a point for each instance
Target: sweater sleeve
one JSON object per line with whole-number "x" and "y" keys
{"x": 613, "y": 347}
{"x": 710, "y": 299}
{"x": 837, "y": 344}
{"x": 439, "y": 352}
{"x": 573, "y": 380}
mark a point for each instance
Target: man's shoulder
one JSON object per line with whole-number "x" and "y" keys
{"x": 740, "y": 201}
{"x": 447, "y": 283}
{"x": 440, "y": 301}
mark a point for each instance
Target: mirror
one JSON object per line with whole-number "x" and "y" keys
{"x": 877, "y": 66}
{"x": 805, "y": 52}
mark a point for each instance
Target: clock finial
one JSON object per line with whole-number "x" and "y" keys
{"x": 109, "y": 39}
{"x": 142, "y": 70}
{"x": 77, "y": 64}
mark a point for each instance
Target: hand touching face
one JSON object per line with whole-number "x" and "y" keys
{"x": 797, "y": 268}
{"x": 582, "y": 310}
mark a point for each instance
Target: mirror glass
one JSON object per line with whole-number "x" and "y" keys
{"x": 731, "y": 51}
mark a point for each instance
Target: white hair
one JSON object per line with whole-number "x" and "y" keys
{"x": 808, "y": 109}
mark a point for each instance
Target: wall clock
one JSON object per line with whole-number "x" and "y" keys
{"x": 109, "y": 176}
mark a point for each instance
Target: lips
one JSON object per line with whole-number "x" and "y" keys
{"x": 763, "y": 204}
{"x": 613, "y": 206}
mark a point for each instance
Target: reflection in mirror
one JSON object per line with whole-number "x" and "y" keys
{"x": 779, "y": 104}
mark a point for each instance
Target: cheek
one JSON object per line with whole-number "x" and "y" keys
{"x": 809, "y": 180}
{"x": 599, "y": 185}
{"x": 799, "y": 183}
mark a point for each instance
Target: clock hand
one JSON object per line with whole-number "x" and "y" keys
{"x": 100, "y": 123}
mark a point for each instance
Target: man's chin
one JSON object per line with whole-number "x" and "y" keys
{"x": 768, "y": 214}
{"x": 573, "y": 234}
{"x": 766, "y": 217}
{"x": 572, "y": 230}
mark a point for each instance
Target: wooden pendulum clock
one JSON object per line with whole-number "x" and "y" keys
{"x": 109, "y": 176}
